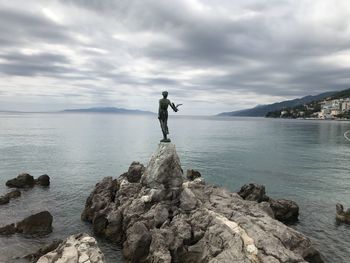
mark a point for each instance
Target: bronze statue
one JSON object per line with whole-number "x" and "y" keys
{"x": 163, "y": 114}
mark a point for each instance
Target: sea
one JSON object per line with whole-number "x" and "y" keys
{"x": 307, "y": 161}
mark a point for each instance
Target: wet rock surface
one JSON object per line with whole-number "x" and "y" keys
{"x": 37, "y": 224}
{"x": 21, "y": 181}
{"x": 43, "y": 180}
{"x": 282, "y": 209}
{"x": 26, "y": 180}
{"x": 164, "y": 218}
{"x": 5, "y": 199}
{"x": 77, "y": 248}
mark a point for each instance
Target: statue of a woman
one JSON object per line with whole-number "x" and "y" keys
{"x": 163, "y": 114}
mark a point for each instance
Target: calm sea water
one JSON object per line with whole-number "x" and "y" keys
{"x": 306, "y": 161}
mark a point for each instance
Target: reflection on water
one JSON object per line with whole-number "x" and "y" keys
{"x": 307, "y": 161}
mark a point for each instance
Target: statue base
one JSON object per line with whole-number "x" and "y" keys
{"x": 165, "y": 140}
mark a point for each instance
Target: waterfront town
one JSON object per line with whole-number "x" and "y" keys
{"x": 325, "y": 109}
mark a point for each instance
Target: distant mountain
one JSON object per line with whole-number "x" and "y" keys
{"x": 110, "y": 110}
{"x": 262, "y": 110}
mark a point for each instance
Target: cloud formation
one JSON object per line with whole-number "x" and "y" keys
{"x": 212, "y": 55}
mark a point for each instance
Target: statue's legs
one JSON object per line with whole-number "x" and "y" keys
{"x": 165, "y": 131}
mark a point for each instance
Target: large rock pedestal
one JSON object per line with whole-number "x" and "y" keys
{"x": 163, "y": 218}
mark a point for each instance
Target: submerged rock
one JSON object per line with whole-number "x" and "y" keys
{"x": 21, "y": 181}
{"x": 37, "y": 224}
{"x": 164, "y": 219}
{"x": 341, "y": 215}
{"x": 283, "y": 210}
{"x": 8, "y": 230}
{"x": 76, "y": 248}
{"x": 5, "y": 199}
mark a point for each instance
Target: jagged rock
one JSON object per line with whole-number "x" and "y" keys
{"x": 37, "y": 224}
{"x": 34, "y": 257}
{"x": 43, "y": 180}
{"x": 253, "y": 192}
{"x": 163, "y": 219}
{"x": 341, "y": 215}
{"x": 21, "y": 181}
{"x": 75, "y": 249}
{"x": 193, "y": 174}
{"x": 136, "y": 247}
{"x": 188, "y": 200}
{"x": 135, "y": 171}
{"x": 284, "y": 210}
{"x": 8, "y": 230}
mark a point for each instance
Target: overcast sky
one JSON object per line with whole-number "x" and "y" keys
{"x": 210, "y": 55}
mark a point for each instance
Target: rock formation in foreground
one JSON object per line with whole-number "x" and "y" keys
{"x": 76, "y": 248}
{"x": 163, "y": 218}
{"x": 37, "y": 224}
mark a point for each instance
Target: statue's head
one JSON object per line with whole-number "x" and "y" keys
{"x": 165, "y": 94}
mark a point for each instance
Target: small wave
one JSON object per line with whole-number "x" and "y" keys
{"x": 347, "y": 135}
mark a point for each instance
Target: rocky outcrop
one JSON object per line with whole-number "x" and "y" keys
{"x": 21, "y": 181}
{"x": 37, "y": 224}
{"x": 25, "y": 180}
{"x": 163, "y": 218}
{"x": 341, "y": 215}
{"x": 5, "y": 199}
{"x": 283, "y": 210}
{"x": 253, "y": 192}
{"x": 76, "y": 248}
{"x": 43, "y": 180}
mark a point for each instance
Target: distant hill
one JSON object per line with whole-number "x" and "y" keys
{"x": 110, "y": 110}
{"x": 262, "y": 110}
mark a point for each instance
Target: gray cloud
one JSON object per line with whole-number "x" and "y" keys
{"x": 219, "y": 55}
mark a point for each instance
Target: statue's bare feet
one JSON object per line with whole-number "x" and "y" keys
{"x": 165, "y": 140}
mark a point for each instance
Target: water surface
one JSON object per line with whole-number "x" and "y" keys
{"x": 306, "y": 161}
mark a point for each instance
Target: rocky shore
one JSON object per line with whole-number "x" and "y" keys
{"x": 158, "y": 216}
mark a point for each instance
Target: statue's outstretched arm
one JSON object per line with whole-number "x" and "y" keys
{"x": 172, "y": 105}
